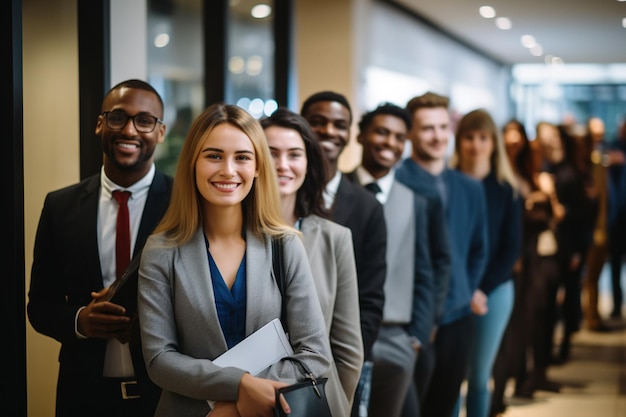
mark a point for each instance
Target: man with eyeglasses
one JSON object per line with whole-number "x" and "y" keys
{"x": 79, "y": 252}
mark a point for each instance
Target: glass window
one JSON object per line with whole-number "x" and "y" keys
{"x": 175, "y": 69}
{"x": 250, "y": 57}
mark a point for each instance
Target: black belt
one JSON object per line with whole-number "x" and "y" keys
{"x": 128, "y": 389}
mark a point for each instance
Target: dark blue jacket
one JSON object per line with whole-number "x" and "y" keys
{"x": 504, "y": 220}
{"x": 466, "y": 219}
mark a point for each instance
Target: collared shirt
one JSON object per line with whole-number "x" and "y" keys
{"x": 331, "y": 190}
{"x": 385, "y": 183}
{"x": 107, "y": 219}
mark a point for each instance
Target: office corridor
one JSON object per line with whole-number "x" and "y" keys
{"x": 594, "y": 379}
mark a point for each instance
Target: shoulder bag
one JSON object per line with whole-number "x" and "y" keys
{"x": 307, "y": 397}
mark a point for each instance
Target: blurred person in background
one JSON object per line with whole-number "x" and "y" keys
{"x": 565, "y": 182}
{"x": 593, "y": 147}
{"x": 479, "y": 152}
{"x": 615, "y": 158}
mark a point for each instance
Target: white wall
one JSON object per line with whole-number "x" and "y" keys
{"x": 129, "y": 53}
{"x": 416, "y": 58}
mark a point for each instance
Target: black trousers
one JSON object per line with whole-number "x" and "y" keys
{"x": 617, "y": 250}
{"x": 104, "y": 397}
{"x": 451, "y": 356}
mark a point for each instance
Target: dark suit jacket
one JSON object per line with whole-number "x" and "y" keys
{"x": 66, "y": 269}
{"x": 358, "y": 210}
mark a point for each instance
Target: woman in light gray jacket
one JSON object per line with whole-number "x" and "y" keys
{"x": 300, "y": 166}
{"x": 206, "y": 279}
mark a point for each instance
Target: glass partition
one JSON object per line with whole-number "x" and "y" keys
{"x": 250, "y": 57}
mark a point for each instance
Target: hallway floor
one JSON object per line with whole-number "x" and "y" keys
{"x": 593, "y": 380}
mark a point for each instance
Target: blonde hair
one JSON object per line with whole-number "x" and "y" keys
{"x": 480, "y": 119}
{"x": 261, "y": 207}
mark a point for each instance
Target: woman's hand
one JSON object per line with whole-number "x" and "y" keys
{"x": 479, "y": 303}
{"x": 257, "y": 397}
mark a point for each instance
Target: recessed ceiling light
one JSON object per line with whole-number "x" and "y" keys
{"x": 487, "y": 12}
{"x": 536, "y": 50}
{"x": 161, "y": 40}
{"x": 528, "y": 41}
{"x": 503, "y": 23}
{"x": 261, "y": 11}
{"x": 254, "y": 65}
{"x": 236, "y": 65}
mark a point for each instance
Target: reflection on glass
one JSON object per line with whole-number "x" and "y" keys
{"x": 175, "y": 64}
{"x": 250, "y": 52}
{"x": 175, "y": 51}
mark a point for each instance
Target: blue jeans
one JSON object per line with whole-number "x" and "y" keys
{"x": 489, "y": 331}
{"x": 360, "y": 407}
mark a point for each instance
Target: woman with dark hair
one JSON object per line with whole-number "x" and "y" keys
{"x": 301, "y": 169}
{"x": 572, "y": 232}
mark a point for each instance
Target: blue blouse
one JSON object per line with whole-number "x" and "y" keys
{"x": 230, "y": 303}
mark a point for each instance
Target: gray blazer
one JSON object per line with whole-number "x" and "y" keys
{"x": 329, "y": 248}
{"x": 181, "y": 331}
{"x": 409, "y": 288}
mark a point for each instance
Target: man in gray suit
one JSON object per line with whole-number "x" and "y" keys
{"x": 409, "y": 310}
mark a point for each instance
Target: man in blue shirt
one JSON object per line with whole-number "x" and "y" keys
{"x": 441, "y": 367}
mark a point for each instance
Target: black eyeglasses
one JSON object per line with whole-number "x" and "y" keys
{"x": 144, "y": 123}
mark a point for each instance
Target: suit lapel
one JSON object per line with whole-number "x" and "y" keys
{"x": 195, "y": 272}
{"x": 156, "y": 204}
{"x": 258, "y": 260}
{"x": 87, "y": 229}
{"x": 341, "y": 206}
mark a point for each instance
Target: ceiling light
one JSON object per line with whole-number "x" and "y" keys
{"x": 553, "y": 60}
{"x": 503, "y": 23}
{"x": 270, "y": 107}
{"x": 536, "y": 50}
{"x": 236, "y": 64}
{"x": 261, "y": 11}
{"x": 487, "y": 12}
{"x": 161, "y": 40}
{"x": 528, "y": 41}
{"x": 254, "y": 65}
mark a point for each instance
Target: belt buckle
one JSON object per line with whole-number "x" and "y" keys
{"x": 125, "y": 395}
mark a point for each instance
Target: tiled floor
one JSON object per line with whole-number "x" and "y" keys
{"x": 594, "y": 380}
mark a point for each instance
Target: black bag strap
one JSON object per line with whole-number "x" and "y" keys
{"x": 279, "y": 273}
{"x": 307, "y": 373}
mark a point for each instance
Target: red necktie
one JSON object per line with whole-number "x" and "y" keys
{"x": 122, "y": 235}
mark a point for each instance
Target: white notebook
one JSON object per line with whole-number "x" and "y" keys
{"x": 261, "y": 349}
